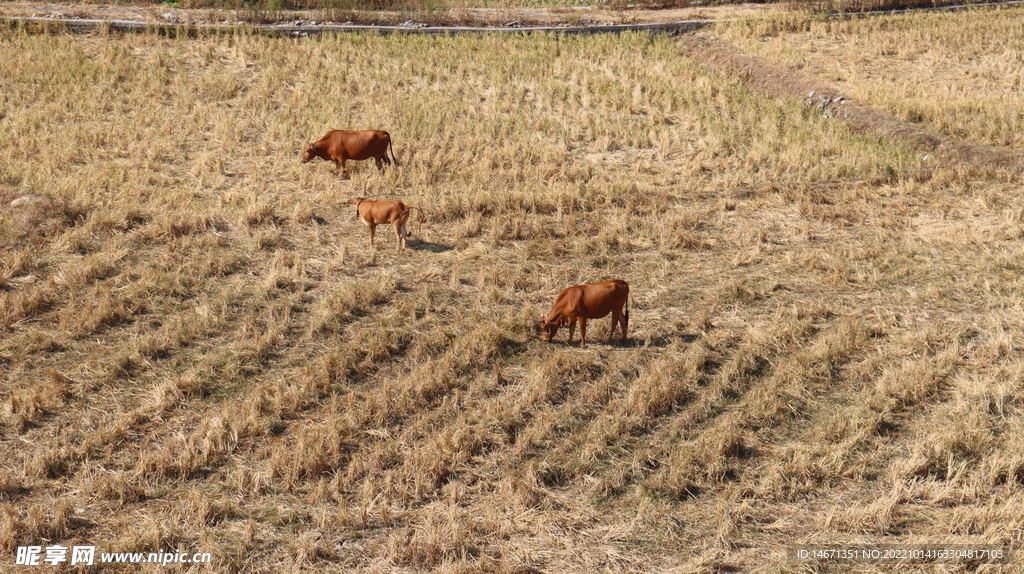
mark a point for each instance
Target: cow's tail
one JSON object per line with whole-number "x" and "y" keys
{"x": 420, "y": 219}
{"x": 625, "y": 317}
{"x": 392, "y": 148}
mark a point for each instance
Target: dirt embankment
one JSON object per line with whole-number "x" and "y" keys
{"x": 779, "y": 81}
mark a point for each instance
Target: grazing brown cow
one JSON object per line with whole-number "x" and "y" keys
{"x": 342, "y": 145}
{"x": 583, "y": 302}
{"x": 377, "y": 212}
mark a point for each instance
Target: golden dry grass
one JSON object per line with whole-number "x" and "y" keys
{"x": 198, "y": 352}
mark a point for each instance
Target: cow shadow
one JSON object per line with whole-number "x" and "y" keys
{"x": 427, "y": 246}
{"x": 658, "y": 341}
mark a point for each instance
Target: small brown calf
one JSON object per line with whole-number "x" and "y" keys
{"x": 378, "y": 212}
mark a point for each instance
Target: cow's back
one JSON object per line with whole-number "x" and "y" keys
{"x": 601, "y": 298}
{"x": 382, "y": 210}
{"x": 356, "y": 145}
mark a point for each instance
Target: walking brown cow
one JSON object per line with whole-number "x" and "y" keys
{"x": 591, "y": 301}
{"x": 340, "y": 146}
{"x": 377, "y": 212}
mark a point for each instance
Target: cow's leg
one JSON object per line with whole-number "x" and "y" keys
{"x": 625, "y": 323}
{"x": 572, "y": 329}
{"x": 371, "y": 227}
{"x": 399, "y": 234}
{"x": 616, "y": 313}
{"x": 380, "y": 164}
{"x": 583, "y": 332}
{"x": 342, "y": 170}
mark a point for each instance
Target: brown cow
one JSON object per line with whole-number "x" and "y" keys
{"x": 583, "y": 302}
{"x": 377, "y": 212}
{"x": 342, "y": 145}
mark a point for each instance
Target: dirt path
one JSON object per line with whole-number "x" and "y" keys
{"x": 779, "y": 81}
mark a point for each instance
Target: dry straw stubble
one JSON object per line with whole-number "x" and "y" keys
{"x": 247, "y": 377}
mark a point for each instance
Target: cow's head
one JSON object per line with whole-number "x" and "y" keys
{"x": 356, "y": 202}
{"x": 548, "y": 329}
{"x": 308, "y": 152}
